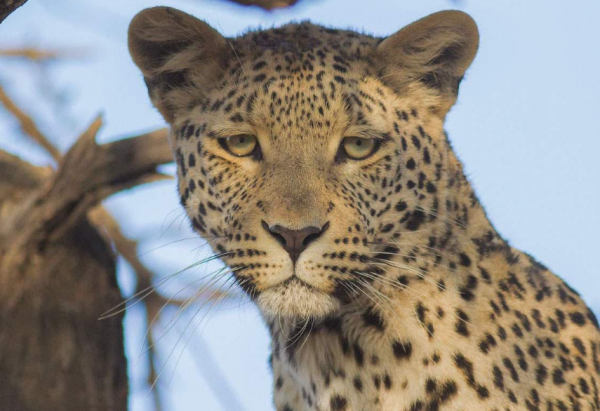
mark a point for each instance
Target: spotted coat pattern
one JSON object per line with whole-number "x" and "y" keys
{"x": 411, "y": 301}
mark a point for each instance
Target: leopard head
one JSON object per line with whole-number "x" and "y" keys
{"x": 305, "y": 154}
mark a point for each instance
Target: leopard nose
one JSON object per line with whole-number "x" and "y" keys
{"x": 294, "y": 241}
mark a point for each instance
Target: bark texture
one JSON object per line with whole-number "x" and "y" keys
{"x": 58, "y": 275}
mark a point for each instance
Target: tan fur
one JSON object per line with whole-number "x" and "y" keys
{"x": 409, "y": 300}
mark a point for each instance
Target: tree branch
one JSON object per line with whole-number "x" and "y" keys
{"x": 8, "y": 6}
{"x": 267, "y": 4}
{"x": 89, "y": 173}
{"x": 28, "y": 126}
{"x": 39, "y": 55}
{"x": 16, "y": 174}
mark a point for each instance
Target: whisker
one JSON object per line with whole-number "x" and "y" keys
{"x": 180, "y": 338}
{"x": 190, "y": 300}
{"x": 167, "y": 244}
{"x": 296, "y": 337}
{"x": 218, "y": 274}
{"x": 390, "y": 301}
{"x": 443, "y": 217}
{"x": 312, "y": 323}
{"x": 182, "y": 214}
{"x": 196, "y": 328}
{"x": 152, "y": 288}
{"x": 410, "y": 290}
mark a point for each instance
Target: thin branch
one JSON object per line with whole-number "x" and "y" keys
{"x": 214, "y": 377}
{"x": 28, "y": 126}
{"x": 38, "y": 55}
{"x": 124, "y": 245}
{"x": 267, "y": 4}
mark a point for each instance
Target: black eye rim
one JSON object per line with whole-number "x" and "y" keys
{"x": 255, "y": 154}
{"x": 342, "y": 156}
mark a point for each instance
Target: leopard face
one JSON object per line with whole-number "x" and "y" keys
{"x": 306, "y": 155}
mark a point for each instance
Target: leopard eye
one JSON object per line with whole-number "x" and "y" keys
{"x": 359, "y": 148}
{"x": 241, "y": 145}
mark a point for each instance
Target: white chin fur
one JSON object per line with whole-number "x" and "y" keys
{"x": 296, "y": 301}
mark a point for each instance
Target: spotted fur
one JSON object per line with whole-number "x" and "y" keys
{"x": 410, "y": 301}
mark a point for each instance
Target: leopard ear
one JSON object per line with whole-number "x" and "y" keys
{"x": 434, "y": 53}
{"x": 179, "y": 56}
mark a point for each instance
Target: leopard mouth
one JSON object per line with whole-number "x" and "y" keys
{"x": 295, "y": 298}
{"x": 295, "y": 280}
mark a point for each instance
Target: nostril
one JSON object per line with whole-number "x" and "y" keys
{"x": 309, "y": 239}
{"x": 276, "y": 235}
{"x": 312, "y": 237}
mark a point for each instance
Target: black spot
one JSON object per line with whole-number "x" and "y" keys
{"x": 415, "y": 220}
{"x": 259, "y": 78}
{"x": 387, "y": 228}
{"x": 466, "y": 366}
{"x": 236, "y": 118}
{"x": 359, "y": 355}
{"x": 338, "y": 403}
{"x": 498, "y": 378}
{"x": 358, "y": 384}
{"x": 461, "y": 323}
{"x": 558, "y": 377}
{"x": 387, "y": 382}
{"x": 577, "y": 318}
{"x": 259, "y": 65}
{"x": 402, "y": 351}
{"x": 403, "y": 280}
{"x": 426, "y": 156}
{"x": 511, "y": 368}
{"x": 541, "y": 374}
{"x": 464, "y": 260}
{"x": 340, "y": 79}
{"x": 401, "y": 206}
{"x": 373, "y": 319}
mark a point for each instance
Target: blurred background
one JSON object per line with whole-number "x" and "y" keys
{"x": 525, "y": 125}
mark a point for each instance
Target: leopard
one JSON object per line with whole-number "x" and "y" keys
{"x": 315, "y": 163}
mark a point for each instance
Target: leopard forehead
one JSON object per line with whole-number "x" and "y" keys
{"x": 298, "y": 87}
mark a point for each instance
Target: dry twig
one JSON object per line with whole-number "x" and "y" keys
{"x": 38, "y": 55}
{"x": 28, "y": 126}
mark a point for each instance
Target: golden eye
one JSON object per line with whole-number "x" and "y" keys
{"x": 241, "y": 145}
{"x": 358, "y": 148}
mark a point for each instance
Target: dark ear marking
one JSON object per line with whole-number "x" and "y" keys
{"x": 175, "y": 52}
{"x": 434, "y": 51}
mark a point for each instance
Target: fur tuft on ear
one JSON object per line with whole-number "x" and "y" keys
{"x": 434, "y": 53}
{"x": 178, "y": 55}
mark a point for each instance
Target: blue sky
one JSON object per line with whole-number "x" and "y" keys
{"x": 526, "y": 126}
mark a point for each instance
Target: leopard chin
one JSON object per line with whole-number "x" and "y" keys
{"x": 296, "y": 299}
